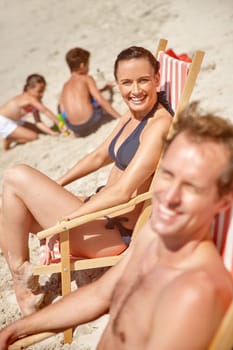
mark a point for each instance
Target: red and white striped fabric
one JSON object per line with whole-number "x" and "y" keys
{"x": 56, "y": 253}
{"x": 222, "y": 234}
{"x": 173, "y": 74}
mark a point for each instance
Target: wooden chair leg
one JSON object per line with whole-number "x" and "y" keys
{"x": 65, "y": 275}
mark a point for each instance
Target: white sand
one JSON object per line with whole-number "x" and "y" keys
{"x": 35, "y": 36}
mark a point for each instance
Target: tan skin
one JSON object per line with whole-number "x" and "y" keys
{"x": 75, "y": 97}
{"x": 172, "y": 284}
{"x": 18, "y": 107}
{"x": 32, "y": 204}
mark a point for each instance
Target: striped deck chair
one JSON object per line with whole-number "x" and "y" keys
{"x": 222, "y": 234}
{"x": 173, "y": 74}
{"x": 176, "y": 76}
{"x": 179, "y": 101}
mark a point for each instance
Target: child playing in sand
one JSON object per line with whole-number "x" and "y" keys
{"x": 12, "y": 127}
{"x": 81, "y": 103}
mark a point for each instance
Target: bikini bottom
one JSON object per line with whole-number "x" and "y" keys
{"x": 115, "y": 222}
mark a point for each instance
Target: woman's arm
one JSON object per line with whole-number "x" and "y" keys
{"x": 92, "y": 161}
{"x": 87, "y": 165}
{"x": 141, "y": 167}
{"x": 95, "y": 93}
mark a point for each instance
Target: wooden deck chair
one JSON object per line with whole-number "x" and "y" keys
{"x": 222, "y": 234}
{"x": 223, "y": 339}
{"x": 178, "y": 80}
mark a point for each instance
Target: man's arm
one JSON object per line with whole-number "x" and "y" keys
{"x": 83, "y": 305}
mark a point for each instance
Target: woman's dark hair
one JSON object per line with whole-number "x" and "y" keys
{"x": 136, "y": 52}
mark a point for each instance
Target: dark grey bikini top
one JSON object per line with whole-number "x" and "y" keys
{"x": 129, "y": 147}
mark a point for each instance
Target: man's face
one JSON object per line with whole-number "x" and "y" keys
{"x": 185, "y": 191}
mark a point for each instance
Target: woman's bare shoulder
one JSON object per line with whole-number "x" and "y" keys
{"x": 159, "y": 123}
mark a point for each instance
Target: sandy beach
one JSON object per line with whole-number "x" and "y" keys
{"x": 34, "y": 38}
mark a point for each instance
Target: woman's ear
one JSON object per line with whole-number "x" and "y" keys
{"x": 157, "y": 79}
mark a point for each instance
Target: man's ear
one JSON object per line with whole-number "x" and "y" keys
{"x": 225, "y": 202}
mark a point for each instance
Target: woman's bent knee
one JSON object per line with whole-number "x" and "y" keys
{"x": 16, "y": 174}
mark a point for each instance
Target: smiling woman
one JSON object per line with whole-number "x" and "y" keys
{"x": 138, "y": 80}
{"x": 134, "y": 149}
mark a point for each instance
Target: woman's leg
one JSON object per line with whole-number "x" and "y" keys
{"x": 93, "y": 240}
{"x": 29, "y": 198}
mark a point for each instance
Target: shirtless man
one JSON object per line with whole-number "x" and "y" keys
{"x": 171, "y": 290}
{"x": 81, "y": 103}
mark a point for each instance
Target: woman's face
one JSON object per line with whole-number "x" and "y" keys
{"x": 138, "y": 84}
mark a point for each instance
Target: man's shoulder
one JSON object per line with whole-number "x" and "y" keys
{"x": 196, "y": 280}
{"x": 202, "y": 286}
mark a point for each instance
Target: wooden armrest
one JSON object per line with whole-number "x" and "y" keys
{"x": 66, "y": 225}
{"x": 29, "y": 340}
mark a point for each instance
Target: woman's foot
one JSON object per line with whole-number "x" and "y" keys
{"x": 27, "y": 289}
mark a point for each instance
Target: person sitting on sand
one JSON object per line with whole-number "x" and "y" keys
{"x": 12, "y": 127}
{"x": 171, "y": 284}
{"x": 81, "y": 103}
{"x": 133, "y": 147}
